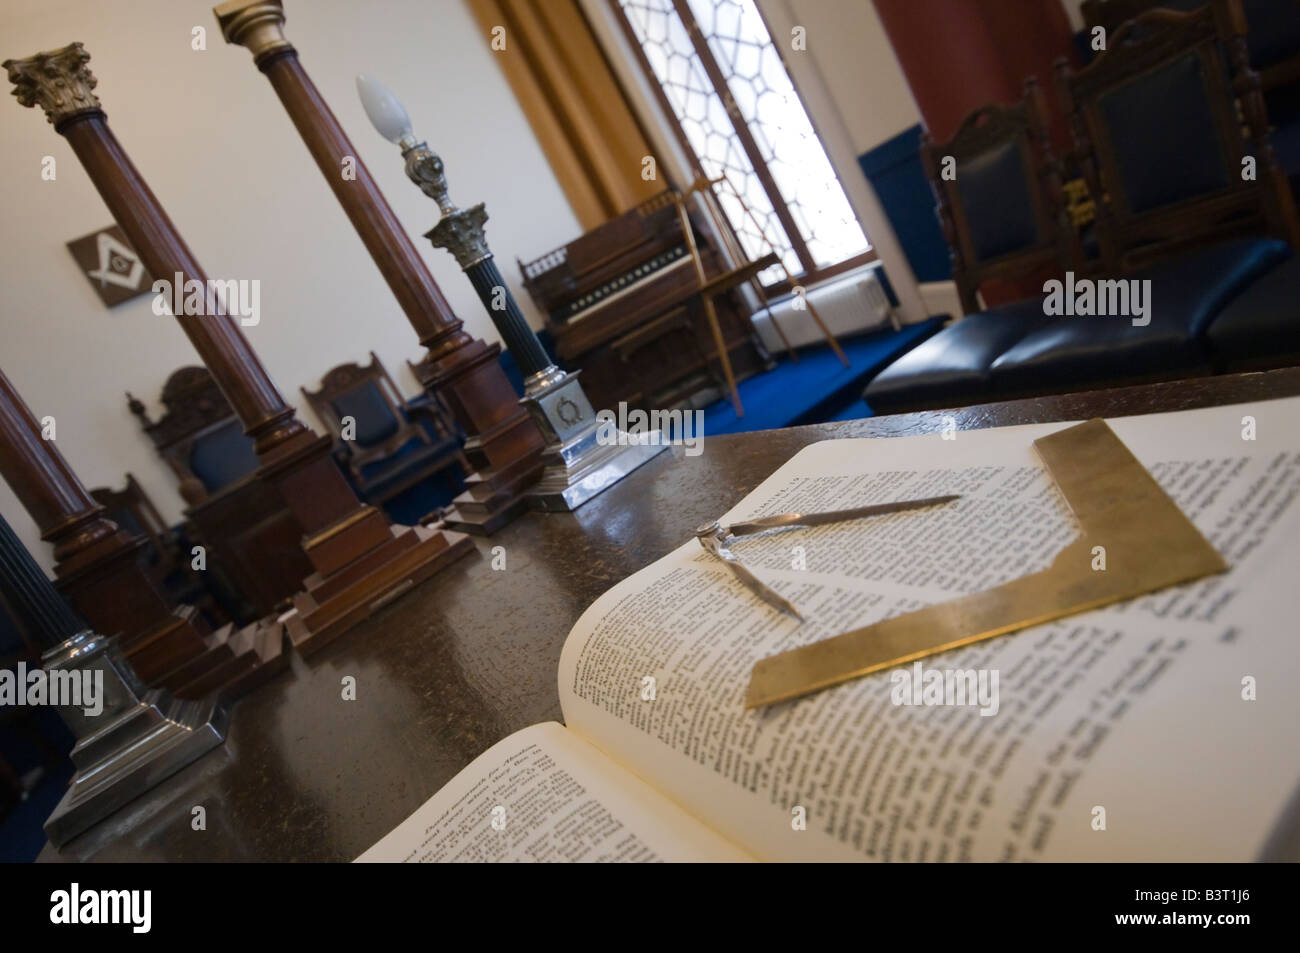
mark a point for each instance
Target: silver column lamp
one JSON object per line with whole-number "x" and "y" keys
{"x": 578, "y": 464}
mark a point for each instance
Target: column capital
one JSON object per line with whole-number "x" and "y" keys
{"x": 256, "y": 24}
{"x": 462, "y": 234}
{"x": 58, "y": 81}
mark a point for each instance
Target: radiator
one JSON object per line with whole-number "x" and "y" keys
{"x": 849, "y": 305}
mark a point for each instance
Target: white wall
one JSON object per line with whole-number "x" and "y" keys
{"x": 857, "y": 98}
{"x": 853, "y": 55}
{"x": 208, "y": 133}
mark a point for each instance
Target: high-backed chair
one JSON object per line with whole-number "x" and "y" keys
{"x": 199, "y": 436}
{"x": 1163, "y": 153}
{"x": 999, "y": 195}
{"x": 1003, "y": 211}
{"x": 1273, "y": 47}
{"x": 1272, "y": 38}
{"x": 387, "y": 444}
{"x": 1160, "y": 142}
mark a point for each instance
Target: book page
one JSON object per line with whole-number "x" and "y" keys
{"x": 543, "y": 794}
{"x": 1164, "y": 728}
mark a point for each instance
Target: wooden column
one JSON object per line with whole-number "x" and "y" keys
{"x": 98, "y": 568}
{"x": 361, "y": 561}
{"x": 503, "y": 442}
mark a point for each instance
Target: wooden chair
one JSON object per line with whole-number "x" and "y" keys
{"x": 999, "y": 195}
{"x": 1273, "y": 37}
{"x": 199, "y": 436}
{"x": 1159, "y": 142}
{"x": 387, "y": 444}
{"x": 1003, "y": 211}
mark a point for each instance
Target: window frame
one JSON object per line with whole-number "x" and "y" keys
{"x": 812, "y": 273}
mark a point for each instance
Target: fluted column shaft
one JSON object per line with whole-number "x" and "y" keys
{"x": 30, "y": 594}
{"x": 520, "y": 339}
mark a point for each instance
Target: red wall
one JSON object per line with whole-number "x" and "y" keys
{"x": 961, "y": 54}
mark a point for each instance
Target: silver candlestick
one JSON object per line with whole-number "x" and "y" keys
{"x": 579, "y": 464}
{"x": 136, "y": 736}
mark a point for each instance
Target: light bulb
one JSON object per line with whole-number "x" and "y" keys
{"x": 386, "y": 112}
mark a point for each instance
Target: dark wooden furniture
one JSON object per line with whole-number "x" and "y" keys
{"x": 1273, "y": 38}
{"x": 387, "y": 444}
{"x": 504, "y": 445}
{"x": 1163, "y": 154}
{"x": 102, "y": 570}
{"x": 1160, "y": 143}
{"x": 455, "y": 671}
{"x": 199, "y": 436}
{"x": 622, "y": 304}
{"x": 132, "y": 508}
{"x": 167, "y": 555}
{"x": 1000, "y": 197}
{"x": 1002, "y": 207}
{"x": 252, "y": 538}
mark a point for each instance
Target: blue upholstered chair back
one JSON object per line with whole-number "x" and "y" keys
{"x": 1163, "y": 135}
{"x": 375, "y": 419}
{"x": 994, "y": 190}
{"x": 1164, "y": 121}
{"x": 1003, "y": 212}
{"x": 222, "y": 456}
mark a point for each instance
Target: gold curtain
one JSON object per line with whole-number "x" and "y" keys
{"x": 574, "y": 103}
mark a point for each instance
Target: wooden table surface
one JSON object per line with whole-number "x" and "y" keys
{"x": 471, "y": 655}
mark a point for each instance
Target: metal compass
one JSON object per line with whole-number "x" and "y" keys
{"x": 717, "y": 539}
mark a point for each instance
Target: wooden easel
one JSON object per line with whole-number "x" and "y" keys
{"x": 679, "y": 200}
{"x": 704, "y": 186}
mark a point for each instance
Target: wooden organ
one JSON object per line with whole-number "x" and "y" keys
{"x": 623, "y": 304}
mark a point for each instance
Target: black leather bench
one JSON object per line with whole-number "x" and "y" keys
{"x": 1260, "y": 327}
{"x": 1016, "y": 350}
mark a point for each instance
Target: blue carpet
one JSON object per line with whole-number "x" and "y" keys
{"x": 818, "y": 387}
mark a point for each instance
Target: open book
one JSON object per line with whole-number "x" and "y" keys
{"x": 1163, "y": 728}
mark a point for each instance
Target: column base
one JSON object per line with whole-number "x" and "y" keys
{"x": 236, "y": 662}
{"x": 492, "y": 498}
{"x": 361, "y": 560}
{"x": 151, "y": 740}
{"x": 328, "y": 607}
{"x": 583, "y": 468}
{"x": 579, "y": 463}
{"x": 504, "y": 444}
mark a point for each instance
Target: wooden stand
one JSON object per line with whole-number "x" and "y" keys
{"x": 704, "y": 186}
{"x": 360, "y": 560}
{"x": 504, "y": 445}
